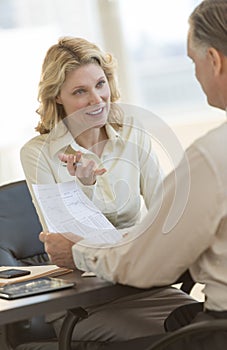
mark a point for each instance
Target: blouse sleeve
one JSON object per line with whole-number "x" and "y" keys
{"x": 151, "y": 173}
{"x": 37, "y": 170}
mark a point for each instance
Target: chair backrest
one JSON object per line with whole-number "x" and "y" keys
{"x": 19, "y": 227}
{"x": 19, "y": 246}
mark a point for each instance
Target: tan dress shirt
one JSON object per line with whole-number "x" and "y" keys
{"x": 185, "y": 228}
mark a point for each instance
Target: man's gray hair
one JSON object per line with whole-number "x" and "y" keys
{"x": 209, "y": 25}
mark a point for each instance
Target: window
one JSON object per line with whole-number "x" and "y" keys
{"x": 155, "y": 33}
{"x": 148, "y": 37}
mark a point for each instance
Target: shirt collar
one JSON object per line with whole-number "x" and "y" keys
{"x": 60, "y": 138}
{"x": 112, "y": 134}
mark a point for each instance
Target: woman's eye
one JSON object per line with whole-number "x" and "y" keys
{"x": 78, "y": 92}
{"x": 101, "y": 83}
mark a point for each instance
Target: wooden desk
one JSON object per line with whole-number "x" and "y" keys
{"x": 87, "y": 291}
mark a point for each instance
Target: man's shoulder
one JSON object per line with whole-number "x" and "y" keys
{"x": 212, "y": 146}
{"x": 214, "y": 140}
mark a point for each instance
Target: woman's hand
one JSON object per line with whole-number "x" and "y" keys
{"x": 59, "y": 249}
{"x": 85, "y": 172}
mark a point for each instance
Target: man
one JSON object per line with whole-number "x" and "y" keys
{"x": 197, "y": 239}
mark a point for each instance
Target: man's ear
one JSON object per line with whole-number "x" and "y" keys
{"x": 215, "y": 59}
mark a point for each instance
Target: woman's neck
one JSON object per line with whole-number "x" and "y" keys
{"x": 94, "y": 140}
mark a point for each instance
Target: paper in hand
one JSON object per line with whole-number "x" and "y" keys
{"x": 66, "y": 209}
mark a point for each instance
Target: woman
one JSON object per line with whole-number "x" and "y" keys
{"x": 109, "y": 153}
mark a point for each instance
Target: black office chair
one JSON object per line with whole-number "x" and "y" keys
{"x": 206, "y": 335}
{"x": 20, "y": 246}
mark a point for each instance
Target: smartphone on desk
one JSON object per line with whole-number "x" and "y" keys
{"x": 13, "y": 273}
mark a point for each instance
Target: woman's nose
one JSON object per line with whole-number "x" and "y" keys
{"x": 95, "y": 98}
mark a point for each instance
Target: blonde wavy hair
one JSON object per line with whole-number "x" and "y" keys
{"x": 68, "y": 54}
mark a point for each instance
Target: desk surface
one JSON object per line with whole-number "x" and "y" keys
{"x": 87, "y": 291}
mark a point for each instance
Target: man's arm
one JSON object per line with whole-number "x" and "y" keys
{"x": 166, "y": 243}
{"x": 59, "y": 249}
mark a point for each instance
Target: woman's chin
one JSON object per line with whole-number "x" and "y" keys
{"x": 97, "y": 122}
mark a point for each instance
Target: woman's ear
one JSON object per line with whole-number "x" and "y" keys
{"x": 215, "y": 58}
{"x": 58, "y": 100}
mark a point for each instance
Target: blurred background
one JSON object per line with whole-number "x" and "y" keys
{"x": 148, "y": 38}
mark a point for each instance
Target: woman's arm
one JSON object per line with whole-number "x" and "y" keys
{"x": 36, "y": 169}
{"x": 151, "y": 173}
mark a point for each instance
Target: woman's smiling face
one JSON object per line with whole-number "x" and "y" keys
{"x": 86, "y": 89}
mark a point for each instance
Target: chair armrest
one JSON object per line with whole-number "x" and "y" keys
{"x": 72, "y": 317}
{"x": 187, "y": 282}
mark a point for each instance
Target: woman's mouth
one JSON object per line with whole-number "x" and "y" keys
{"x": 96, "y": 111}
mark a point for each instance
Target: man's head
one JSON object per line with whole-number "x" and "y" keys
{"x": 207, "y": 47}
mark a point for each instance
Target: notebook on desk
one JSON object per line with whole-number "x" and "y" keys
{"x": 35, "y": 272}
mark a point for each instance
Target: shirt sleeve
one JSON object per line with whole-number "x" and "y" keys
{"x": 176, "y": 231}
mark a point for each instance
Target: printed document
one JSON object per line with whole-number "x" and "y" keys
{"x": 67, "y": 210}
